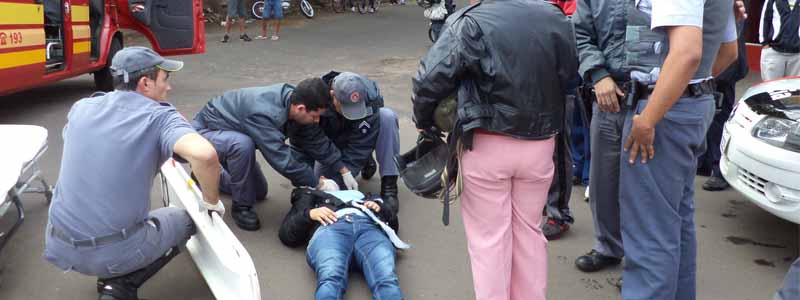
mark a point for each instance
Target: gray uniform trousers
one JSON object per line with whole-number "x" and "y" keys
{"x": 241, "y": 176}
{"x": 606, "y": 144}
{"x": 657, "y": 204}
{"x": 791, "y": 284}
{"x": 387, "y": 146}
{"x": 165, "y": 228}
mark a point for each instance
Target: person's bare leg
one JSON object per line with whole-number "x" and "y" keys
{"x": 227, "y": 29}
{"x": 277, "y": 26}
{"x": 241, "y": 26}
{"x": 264, "y": 27}
{"x": 227, "y": 25}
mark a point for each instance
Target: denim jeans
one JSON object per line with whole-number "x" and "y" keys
{"x": 357, "y": 241}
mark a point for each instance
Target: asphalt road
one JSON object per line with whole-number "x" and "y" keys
{"x": 743, "y": 251}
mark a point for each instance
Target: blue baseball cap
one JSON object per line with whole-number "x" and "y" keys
{"x": 352, "y": 92}
{"x": 132, "y": 59}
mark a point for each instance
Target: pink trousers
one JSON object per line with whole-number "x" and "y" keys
{"x": 505, "y": 189}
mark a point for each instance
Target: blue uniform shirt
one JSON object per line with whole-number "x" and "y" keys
{"x": 113, "y": 147}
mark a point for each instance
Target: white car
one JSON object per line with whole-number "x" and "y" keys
{"x": 761, "y": 147}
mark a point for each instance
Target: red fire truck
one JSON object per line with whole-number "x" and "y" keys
{"x": 42, "y": 41}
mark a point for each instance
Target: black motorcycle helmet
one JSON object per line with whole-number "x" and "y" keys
{"x": 421, "y": 167}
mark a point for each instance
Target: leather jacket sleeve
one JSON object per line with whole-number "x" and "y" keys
{"x": 297, "y": 226}
{"x": 458, "y": 51}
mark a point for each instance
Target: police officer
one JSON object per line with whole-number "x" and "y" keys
{"x": 100, "y": 223}
{"x": 511, "y": 80}
{"x": 671, "y": 66}
{"x": 240, "y": 121}
{"x": 358, "y": 125}
{"x": 601, "y": 53}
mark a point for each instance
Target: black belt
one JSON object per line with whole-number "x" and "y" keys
{"x": 97, "y": 241}
{"x": 635, "y": 91}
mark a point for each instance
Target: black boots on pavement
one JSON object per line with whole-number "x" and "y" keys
{"x": 126, "y": 287}
{"x": 594, "y": 261}
{"x": 246, "y": 218}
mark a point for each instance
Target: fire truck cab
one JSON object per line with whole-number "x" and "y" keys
{"x": 43, "y": 41}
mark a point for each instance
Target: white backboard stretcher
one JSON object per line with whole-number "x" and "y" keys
{"x": 219, "y": 255}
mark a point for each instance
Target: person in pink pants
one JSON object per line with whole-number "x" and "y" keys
{"x": 501, "y": 205}
{"x": 510, "y": 79}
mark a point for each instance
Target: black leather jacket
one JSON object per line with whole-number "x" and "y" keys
{"x": 297, "y": 226}
{"x": 510, "y": 62}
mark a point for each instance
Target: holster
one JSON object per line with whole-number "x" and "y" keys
{"x": 634, "y": 91}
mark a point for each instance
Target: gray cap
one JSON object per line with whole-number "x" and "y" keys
{"x": 352, "y": 92}
{"x": 132, "y": 59}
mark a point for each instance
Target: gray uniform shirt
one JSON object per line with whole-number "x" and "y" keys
{"x": 689, "y": 13}
{"x": 113, "y": 147}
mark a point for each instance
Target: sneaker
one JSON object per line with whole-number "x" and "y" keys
{"x": 353, "y": 8}
{"x": 275, "y": 38}
{"x": 371, "y": 10}
{"x": 715, "y": 183}
{"x": 261, "y": 37}
{"x": 225, "y": 38}
{"x": 245, "y": 38}
{"x": 554, "y": 229}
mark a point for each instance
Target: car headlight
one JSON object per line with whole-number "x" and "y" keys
{"x": 779, "y": 132}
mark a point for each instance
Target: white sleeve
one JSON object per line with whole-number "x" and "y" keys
{"x": 677, "y": 13}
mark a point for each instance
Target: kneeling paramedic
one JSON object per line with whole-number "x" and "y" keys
{"x": 358, "y": 125}
{"x": 240, "y": 121}
{"x": 354, "y": 232}
{"x": 100, "y": 223}
{"x": 672, "y": 51}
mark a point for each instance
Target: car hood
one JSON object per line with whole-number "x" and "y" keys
{"x": 778, "y": 98}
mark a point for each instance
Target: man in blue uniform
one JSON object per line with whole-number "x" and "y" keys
{"x": 670, "y": 51}
{"x": 100, "y": 223}
{"x": 358, "y": 126}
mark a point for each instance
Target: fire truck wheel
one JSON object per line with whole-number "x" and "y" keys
{"x": 102, "y": 78}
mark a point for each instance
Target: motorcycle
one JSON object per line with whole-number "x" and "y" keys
{"x": 305, "y": 8}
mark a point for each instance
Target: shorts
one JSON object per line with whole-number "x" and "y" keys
{"x": 272, "y": 10}
{"x": 237, "y": 9}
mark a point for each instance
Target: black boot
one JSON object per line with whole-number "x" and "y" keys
{"x": 369, "y": 169}
{"x": 389, "y": 196}
{"x": 125, "y": 287}
{"x": 246, "y": 218}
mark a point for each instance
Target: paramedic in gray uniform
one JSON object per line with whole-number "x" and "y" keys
{"x": 100, "y": 223}
{"x": 240, "y": 121}
{"x": 358, "y": 125}
{"x": 670, "y": 50}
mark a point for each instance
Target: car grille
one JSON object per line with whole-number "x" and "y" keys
{"x": 756, "y": 183}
